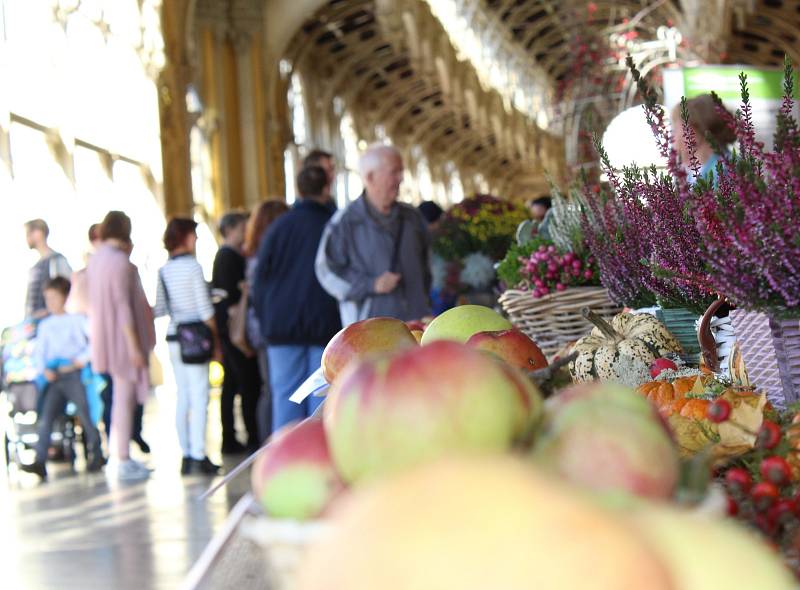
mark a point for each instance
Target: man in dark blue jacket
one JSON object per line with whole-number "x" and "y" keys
{"x": 297, "y": 315}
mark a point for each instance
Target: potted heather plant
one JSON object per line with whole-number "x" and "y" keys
{"x": 751, "y": 222}
{"x": 656, "y": 210}
{"x": 618, "y": 246}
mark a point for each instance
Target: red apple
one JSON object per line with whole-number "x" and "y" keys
{"x": 367, "y": 337}
{"x": 570, "y": 399}
{"x": 416, "y": 325}
{"x": 532, "y": 401}
{"x": 603, "y": 438}
{"x": 394, "y": 411}
{"x": 512, "y": 346}
{"x": 294, "y": 477}
{"x": 661, "y": 364}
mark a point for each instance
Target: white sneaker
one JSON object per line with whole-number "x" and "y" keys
{"x": 131, "y": 470}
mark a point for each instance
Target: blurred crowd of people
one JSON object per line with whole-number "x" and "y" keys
{"x": 284, "y": 281}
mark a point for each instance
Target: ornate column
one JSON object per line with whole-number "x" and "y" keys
{"x": 174, "y": 117}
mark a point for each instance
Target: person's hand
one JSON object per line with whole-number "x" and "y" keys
{"x": 387, "y": 282}
{"x": 50, "y": 375}
{"x": 137, "y": 360}
{"x": 217, "y": 353}
{"x": 78, "y": 364}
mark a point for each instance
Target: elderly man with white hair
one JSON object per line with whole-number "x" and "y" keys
{"x": 373, "y": 256}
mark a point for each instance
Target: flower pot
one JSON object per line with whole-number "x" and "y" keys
{"x": 786, "y": 340}
{"x": 754, "y": 337}
{"x": 682, "y": 323}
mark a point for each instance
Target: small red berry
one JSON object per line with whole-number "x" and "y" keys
{"x": 769, "y": 435}
{"x": 782, "y": 512}
{"x": 764, "y": 495}
{"x": 718, "y": 411}
{"x": 733, "y": 507}
{"x": 767, "y": 525}
{"x": 776, "y": 470}
{"x": 661, "y": 364}
{"x": 738, "y": 480}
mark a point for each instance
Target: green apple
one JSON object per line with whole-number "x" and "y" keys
{"x": 462, "y": 322}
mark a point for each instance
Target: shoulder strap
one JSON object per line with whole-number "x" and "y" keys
{"x": 397, "y": 241}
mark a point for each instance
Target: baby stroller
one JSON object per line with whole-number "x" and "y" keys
{"x": 20, "y": 397}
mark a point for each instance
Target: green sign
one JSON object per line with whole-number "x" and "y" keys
{"x": 724, "y": 80}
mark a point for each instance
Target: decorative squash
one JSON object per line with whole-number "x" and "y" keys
{"x": 669, "y": 397}
{"x": 675, "y": 389}
{"x": 635, "y": 336}
{"x": 694, "y": 409}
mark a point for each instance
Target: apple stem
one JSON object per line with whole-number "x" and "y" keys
{"x": 545, "y": 373}
{"x": 601, "y": 324}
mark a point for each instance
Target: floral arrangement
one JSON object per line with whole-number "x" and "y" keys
{"x": 750, "y": 218}
{"x": 473, "y": 235}
{"x": 482, "y": 223}
{"x": 540, "y": 267}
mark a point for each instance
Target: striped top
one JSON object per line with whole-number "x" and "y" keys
{"x": 189, "y": 298}
{"x": 49, "y": 267}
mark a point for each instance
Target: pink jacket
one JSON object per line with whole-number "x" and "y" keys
{"x": 116, "y": 299}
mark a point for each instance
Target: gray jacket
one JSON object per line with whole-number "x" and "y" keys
{"x": 357, "y": 247}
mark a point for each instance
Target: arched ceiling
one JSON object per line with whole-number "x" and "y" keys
{"x": 393, "y": 65}
{"x": 551, "y": 32}
{"x": 763, "y": 35}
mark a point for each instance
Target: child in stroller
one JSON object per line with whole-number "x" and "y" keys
{"x": 62, "y": 352}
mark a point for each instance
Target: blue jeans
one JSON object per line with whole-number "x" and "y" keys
{"x": 289, "y": 366}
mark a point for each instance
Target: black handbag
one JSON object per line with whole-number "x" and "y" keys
{"x": 195, "y": 339}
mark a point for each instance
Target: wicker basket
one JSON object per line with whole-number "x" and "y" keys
{"x": 555, "y": 320}
{"x": 284, "y": 544}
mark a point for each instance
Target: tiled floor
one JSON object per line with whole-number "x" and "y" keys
{"x": 81, "y": 531}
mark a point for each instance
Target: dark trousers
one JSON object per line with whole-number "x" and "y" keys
{"x": 242, "y": 378}
{"x": 265, "y": 401}
{"x": 67, "y": 388}
{"x": 108, "y": 398}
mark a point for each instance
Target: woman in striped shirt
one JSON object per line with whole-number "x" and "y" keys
{"x": 183, "y": 295}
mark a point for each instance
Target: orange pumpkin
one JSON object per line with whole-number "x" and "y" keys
{"x": 695, "y": 409}
{"x": 664, "y": 394}
{"x": 676, "y": 407}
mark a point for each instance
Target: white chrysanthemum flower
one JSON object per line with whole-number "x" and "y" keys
{"x": 478, "y": 270}
{"x": 438, "y": 271}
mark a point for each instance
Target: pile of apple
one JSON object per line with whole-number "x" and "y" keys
{"x": 442, "y": 467}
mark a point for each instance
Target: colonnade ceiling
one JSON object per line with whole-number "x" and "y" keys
{"x": 393, "y": 65}
{"x": 582, "y": 46}
{"x": 552, "y": 32}
{"x": 765, "y": 33}
{"x": 757, "y": 32}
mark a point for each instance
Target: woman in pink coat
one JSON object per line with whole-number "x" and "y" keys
{"x": 121, "y": 335}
